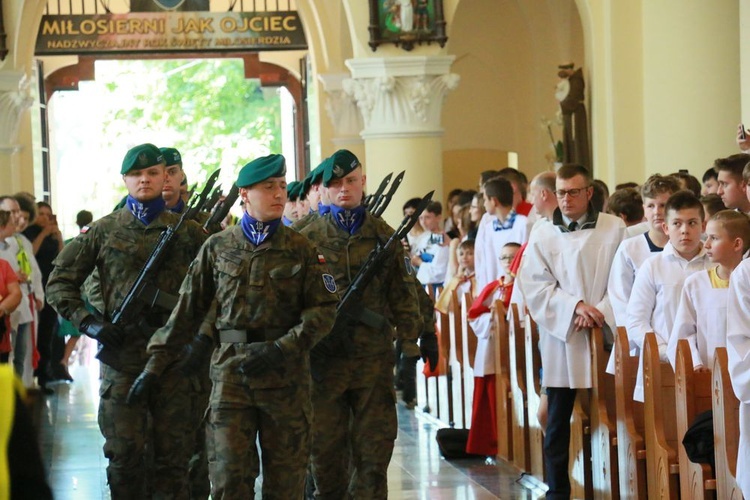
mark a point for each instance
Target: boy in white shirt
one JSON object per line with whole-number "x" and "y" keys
{"x": 702, "y": 315}
{"x": 431, "y": 248}
{"x": 656, "y": 292}
{"x": 504, "y": 226}
{"x": 635, "y": 250}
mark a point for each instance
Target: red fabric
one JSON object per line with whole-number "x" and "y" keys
{"x": 507, "y": 293}
{"x": 483, "y": 432}
{"x": 439, "y": 370}
{"x": 7, "y": 276}
{"x": 516, "y": 264}
{"x": 478, "y": 307}
{"x": 524, "y": 208}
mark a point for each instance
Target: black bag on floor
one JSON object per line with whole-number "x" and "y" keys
{"x": 699, "y": 439}
{"x": 452, "y": 443}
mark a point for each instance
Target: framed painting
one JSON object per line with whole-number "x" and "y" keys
{"x": 406, "y": 23}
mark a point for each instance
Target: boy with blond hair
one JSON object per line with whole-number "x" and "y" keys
{"x": 702, "y": 314}
{"x": 656, "y": 292}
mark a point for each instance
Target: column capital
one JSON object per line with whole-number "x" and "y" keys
{"x": 342, "y": 110}
{"x": 400, "y": 96}
{"x": 15, "y": 98}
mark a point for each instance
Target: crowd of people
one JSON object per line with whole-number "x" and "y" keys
{"x": 240, "y": 334}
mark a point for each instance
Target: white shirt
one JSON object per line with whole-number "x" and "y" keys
{"x": 8, "y": 252}
{"x": 483, "y": 327}
{"x": 559, "y": 270}
{"x": 490, "y": 242}
{"x": 701, "y": 318}
{"x": 637, "y": 229}
{"x": 654, "y": 300}
{"x": 738, "y": 353}
{"x": 432, "y": 272}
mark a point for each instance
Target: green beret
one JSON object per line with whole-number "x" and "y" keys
{"x": 314, "y": 177}
{"x": 340, "y": 164}
{"x": 140, "y": 157}
{"x": 261, "y": 169}
{"x": 292, "y": 190}
{"x": 171, "y": 156}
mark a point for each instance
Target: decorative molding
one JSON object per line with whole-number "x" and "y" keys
{"x": 341, "y": 108}
{"x": 14, "y": 100}
{"x": 401, "y": 97}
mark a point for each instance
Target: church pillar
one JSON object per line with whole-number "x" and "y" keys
{"x": 14, "y": 100}
{"x": 401, "y": 100}
{"x": 344, "y": 114}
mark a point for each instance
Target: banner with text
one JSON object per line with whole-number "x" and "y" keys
{"x": 169, "y": 32}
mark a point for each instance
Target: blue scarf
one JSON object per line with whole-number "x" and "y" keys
{"x": 349, "y": 220}
{"x": 323, "y": 209}
{"x": 257, "y": 231}
{"x": 178, "y": 208}
{"x": 146, "y": 211}
{"x": 286, "y": 221}
{"x": 508, "y": 224}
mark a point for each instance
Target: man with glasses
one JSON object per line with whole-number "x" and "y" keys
{"x": 565, "y": 273}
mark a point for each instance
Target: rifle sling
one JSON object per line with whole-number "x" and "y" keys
{"x": 152, "y": 296}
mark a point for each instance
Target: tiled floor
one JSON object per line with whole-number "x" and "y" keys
{"x": 71, "y": 445}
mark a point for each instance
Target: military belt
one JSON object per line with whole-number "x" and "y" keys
{"x": 250, "y": 336}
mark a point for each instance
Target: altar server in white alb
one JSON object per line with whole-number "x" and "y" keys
{"x": 431, "y": 247}
{"x": 505, "y": 226}
{"x": 565, "y": 270}
{"x": 738, "y": 351}
{"x": 658, "y": 285}
{"x": 702, "y": 315}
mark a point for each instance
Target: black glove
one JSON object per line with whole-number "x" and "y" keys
{"x": 197, "y": 354}
{"x": 104, "y": 332}
{"x": 263, "y": 356}
{"x": 141, "y": 387}
{"x": 428, "y": 347}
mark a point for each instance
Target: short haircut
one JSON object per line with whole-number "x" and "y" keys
{"x": 691, "y": 182}
{"x": 733, "y": 164}
{"x": 736, "y": 224}
{"x": 512, "y": 244}
{"x": 598, "y": 197}
{"x": 412, "y": 203}
{"x": 659, "y": 184}
{"x": 84, "y": 218}
{"x": 603, "y": 185}
{"x": 684, "y": 200}
{"x": 570, "y": 170}
{"x": 454, "y": 192}
{"x": 627, "y": 185}
{"x": 710, "y": 174}
{"x": 466, "y": 245}
{"x": 514, "y": 175}
{"x": 501, "y": 190}
{"x": 712, "y": 203}
{"x": 26, "y": 204}
{"x": 434, "y": 207}
{"x": 626, "y": 203}
{"x": 746, "y": 173}
{"x": 4, "y": 217}
{"x": 464, "y": 199}
{"x": 487, "y": 175}
{"x": 41, "y": 204}
{"x": 546, "y": 180}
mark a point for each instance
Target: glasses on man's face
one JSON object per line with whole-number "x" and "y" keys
{"x": 561, "y": 193}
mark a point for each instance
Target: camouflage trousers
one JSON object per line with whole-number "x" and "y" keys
{"x": 279, "y": 419}
{"x": 200, "y": 487}
{"x": 125, "y": 431}
{"x": 354, "y": 428}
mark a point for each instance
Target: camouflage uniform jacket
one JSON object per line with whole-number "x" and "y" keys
{"x": 278, "y": 288}
{"x": 117, "y": 246}
{"x": 391, "y": 293}
{"x": 305, "y": 221}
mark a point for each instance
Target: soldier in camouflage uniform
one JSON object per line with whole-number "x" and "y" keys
{"x": 272, "y": 299}
{"x": 353, "y": 395}
{"x": 317, "y": 194}
{"x": 117, "y": 246}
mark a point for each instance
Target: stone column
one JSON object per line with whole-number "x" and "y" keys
{"x": 15, "y": 98}
{"x": 401, "y": 100}
{"x": 345, "y": 117}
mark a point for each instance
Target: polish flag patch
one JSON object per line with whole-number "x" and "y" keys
{"x": 321, "y": 258}
{"x": 85, "y": 229}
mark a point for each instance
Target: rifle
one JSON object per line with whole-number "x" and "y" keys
{"x": 143, "y": 292}
{"x": 372, "y": 199}
{"x": 350, "y": 310}
{"x": 213, "y": 199}
{"x": 382, "y": 203}
{"x": 222, "y": 209}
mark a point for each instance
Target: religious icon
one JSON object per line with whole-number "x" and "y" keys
{"x": 570, "y": 93}
{"x": 406, "y": 22}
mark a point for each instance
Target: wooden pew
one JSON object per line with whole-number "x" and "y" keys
{"x": 692, "y": 397}
{"x": 502, "y": 382}
{"x": 458, "y": 366}
{"x": 605, "y": 477}
{"x": 662, "y": 468}
{"x": 469, "y": 350}
{"x": 533, "y": 385}
{"x": 631, "y": 447}
{"x": 726, "y": 429}
{"x": 580, "y": 448}
{"x": 447, "y": 397}
{"x": 519, "y": 417}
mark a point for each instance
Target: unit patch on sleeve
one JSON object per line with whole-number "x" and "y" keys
{"x": 329, "y": 283}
